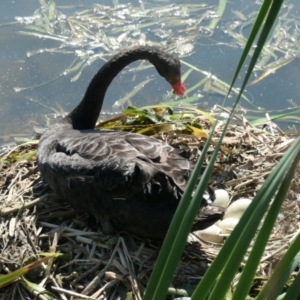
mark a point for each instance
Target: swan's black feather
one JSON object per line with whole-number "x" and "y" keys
{"x": 129, "y": 182}
{"x": 120, "y": 164}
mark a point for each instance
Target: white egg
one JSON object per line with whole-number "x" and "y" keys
{"x": 227, "y": 225}
{"x": 237, "y": 208}
{"x": 211, "y": 234}
{"x": 222, "y": 198}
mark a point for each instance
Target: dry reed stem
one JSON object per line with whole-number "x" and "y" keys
{"x": 34, "y": 220}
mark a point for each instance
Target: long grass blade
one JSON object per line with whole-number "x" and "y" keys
{"x": 209, "y": 280}
{"x": 256, "y": 27}
{"x": 294, "y": 290}
{"x": 248, "y": 273}
{"x": 174, "y": 243}
{"x": 281, "y": 273}
{"x": 208, "y": 75}
{"x": 237, "y": 243}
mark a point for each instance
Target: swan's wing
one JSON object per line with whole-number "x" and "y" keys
{"x": 118, "y": 164}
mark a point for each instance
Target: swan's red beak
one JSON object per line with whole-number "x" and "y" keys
{"x": 179, "y": 88}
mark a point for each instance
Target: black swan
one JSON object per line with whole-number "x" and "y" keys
{"x": 129, "y": 182}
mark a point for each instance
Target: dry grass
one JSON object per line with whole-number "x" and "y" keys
{"x": 34, "y": 220}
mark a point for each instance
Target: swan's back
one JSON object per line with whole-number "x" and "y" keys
{"x": 119, "y": 164}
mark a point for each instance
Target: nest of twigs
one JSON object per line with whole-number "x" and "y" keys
{"x": 33, "y": 220}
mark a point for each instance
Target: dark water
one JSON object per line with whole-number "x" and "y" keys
{"x": 21, "y": 111}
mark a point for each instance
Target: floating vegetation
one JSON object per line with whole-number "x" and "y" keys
{"x": 127, "y": 97}
{"x": 282, "y": 46}
{"x": 98, "y": 32}
{"x": 152, "y": 120}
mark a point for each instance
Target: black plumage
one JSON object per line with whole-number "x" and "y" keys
{"x": 129, "y": 182}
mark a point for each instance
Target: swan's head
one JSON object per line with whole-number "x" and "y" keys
{"x": 169, "y": 66}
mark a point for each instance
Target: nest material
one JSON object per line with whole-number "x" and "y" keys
{"x": 34, "y": 220}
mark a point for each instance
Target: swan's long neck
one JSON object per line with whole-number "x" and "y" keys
{"x": 86, "y": 113}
